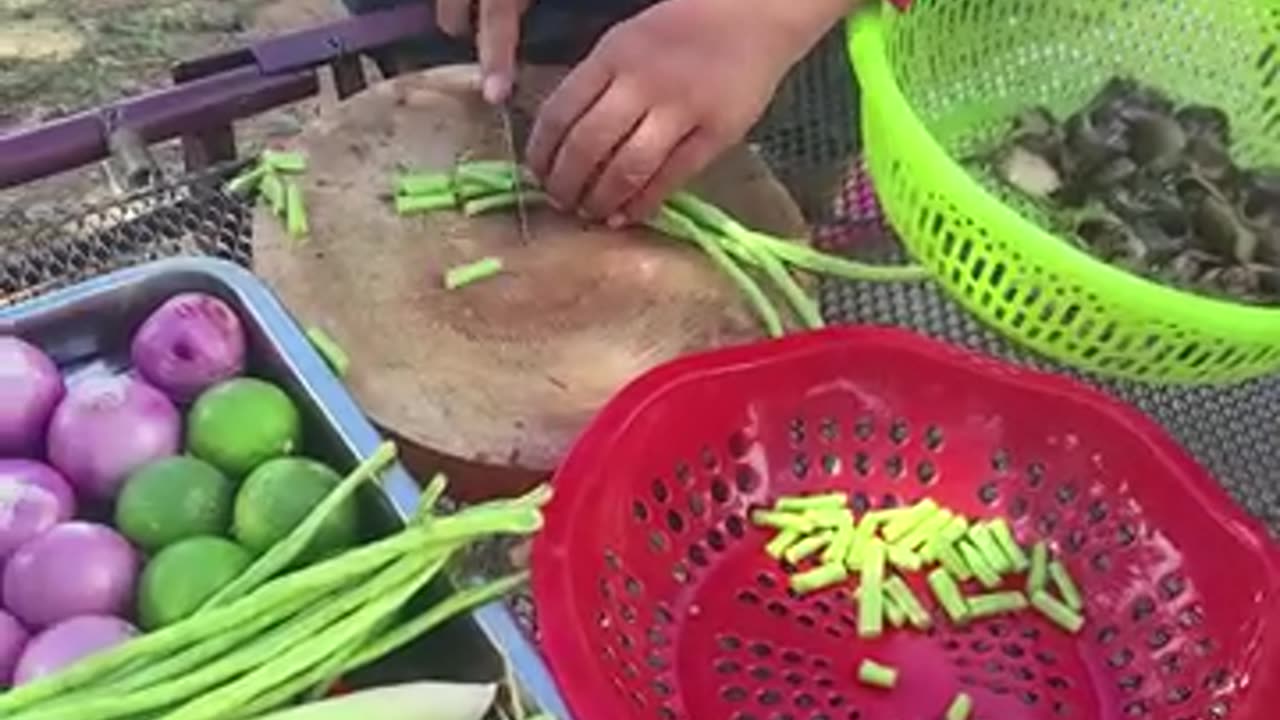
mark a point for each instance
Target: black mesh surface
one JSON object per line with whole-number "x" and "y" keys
{"x": 808, "y": 137}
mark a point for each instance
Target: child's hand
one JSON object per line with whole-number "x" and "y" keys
{"x": 662, "y": 95}
{"x": 497, "y": 37}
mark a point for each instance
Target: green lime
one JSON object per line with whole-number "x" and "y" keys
{"x": 277, "y": 496}
{"x": 242, "y": 423}
{"x": 183, "y": 576}
{"x": 174, "y": 499}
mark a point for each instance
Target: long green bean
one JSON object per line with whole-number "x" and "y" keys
{"x": 319, "y": 579}
{"x": 410, "y": 204}
{"x": 284, "y": 553}
{"x": 309, "y": 650}
{"x": 452, "y": 606}
{"x": 795, "y": 253}
{"x": 677, "y": 225}
{"x": 803, "y": 305}
{"x": 123, "y": 705}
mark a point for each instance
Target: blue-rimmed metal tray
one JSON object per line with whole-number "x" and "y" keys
{"x": 86, "y": 328}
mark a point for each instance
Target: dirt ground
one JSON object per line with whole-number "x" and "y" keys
{"x": 61, "y": 56}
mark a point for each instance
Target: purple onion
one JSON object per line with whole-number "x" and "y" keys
{"x": 33, "y": 498}
{"x": 68, "y": 642}
{"x": 77, "y": 568}
{"x": 107, "y": 428}
{"x": 13, "y": 638}
{"x": 30, "y": 388}
{"x": 192, "y": 342}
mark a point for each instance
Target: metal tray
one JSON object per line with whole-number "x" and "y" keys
{"x": 86, "y": 327}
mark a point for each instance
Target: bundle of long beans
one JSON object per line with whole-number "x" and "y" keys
{"x": 480, "y": 187}
{"x": 266, "y": 640}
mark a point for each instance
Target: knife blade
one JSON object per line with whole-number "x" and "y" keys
{"x": 522, "y": 210}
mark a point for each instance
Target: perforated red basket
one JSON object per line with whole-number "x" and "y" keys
{"x": 657, "y": 602}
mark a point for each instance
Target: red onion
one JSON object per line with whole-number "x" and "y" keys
{"x": 30, "y": 388}
{"x": 13, "y": 638}
{"x": 77, "y": 568}
{"x": 33, "y": 498}
{"x": 192, "y": 342}
{"x": 108, "y": 427}
{"x": 69, "y": 642}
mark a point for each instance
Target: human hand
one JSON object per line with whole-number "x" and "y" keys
{"x": 662, "y": 95}
{"x": 496, "y": 24}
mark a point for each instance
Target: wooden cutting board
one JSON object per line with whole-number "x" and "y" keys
{"x": 505, "y": 372}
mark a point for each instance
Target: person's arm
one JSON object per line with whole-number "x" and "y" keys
{"x": 663, "y": 94}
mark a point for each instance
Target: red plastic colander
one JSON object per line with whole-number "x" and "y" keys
{"x": 656, "y": 600}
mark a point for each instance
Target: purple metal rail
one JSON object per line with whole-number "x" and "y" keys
{"x": 211, "y": 93}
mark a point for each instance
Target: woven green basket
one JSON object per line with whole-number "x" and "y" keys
{"x": 944, "y": 80}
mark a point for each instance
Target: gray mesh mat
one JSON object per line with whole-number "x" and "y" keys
{"x": 808, "y": 138}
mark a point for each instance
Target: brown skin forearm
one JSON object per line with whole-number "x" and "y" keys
{"x": 799, "y": 24}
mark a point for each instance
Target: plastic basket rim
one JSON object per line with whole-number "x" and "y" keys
{"x": 866, "y": 34}
{"x": 550, "y": 580}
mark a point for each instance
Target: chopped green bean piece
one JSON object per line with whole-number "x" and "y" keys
{"x": 819, "y": 578}
{"x": 949, "y": 596}
{"x": 334, "y": 356}
{"x": 422, "y": 184}
{"x": 955, "y": 529}
{"x": 871, "y": 606}
{"x": 955, "y": 564}
{"x": 864, "y": 532}
{"x": 918, "y": 539}
{"x": 877, "y": 675}
{"x": 894, "y": 613}
{"x": 983, "y": 539}
{"x": 905, "y": 559}
{"x": 838, "y": 550}
{"x": 412, "y": 204}
{"x": 901, "y": 525}
{"x": 1067, "y": 587}
{"x": 499, "y": 201}
{"x": 829, "y": 517}
{"x": 295, "y": 211}
{"x": 1039, "y": 576}
{"x": 782, "y": 542}
{"x": 989, "y": 578}
{"x": 961, "y": 708}
{"x": 808, "y": 547}
{"x": 782, "y": 521}
{"x": 1004, "y": 603}
{"x": 802, "y": 503}
{"x": 290, "y": 163}
{"x": 470, "y": 273}
{"x": 1009, "y": 544}
{"x": 1061, "y": 615}
{"x": 898, "y": 589}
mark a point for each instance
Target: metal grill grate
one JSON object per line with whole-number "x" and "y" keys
{"x": 190, "y": 216}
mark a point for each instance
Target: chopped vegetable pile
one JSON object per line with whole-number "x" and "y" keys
{"x": 898, "y": 558}
{"x": 272, "y": 179}
{"x": 480, "y": 187}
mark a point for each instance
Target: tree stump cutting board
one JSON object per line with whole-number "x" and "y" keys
{"x": 507, "y": 371}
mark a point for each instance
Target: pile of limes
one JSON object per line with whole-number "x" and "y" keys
{"x": 238, "y": 490}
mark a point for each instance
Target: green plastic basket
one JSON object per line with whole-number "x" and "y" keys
{"x": 944, "y": 79}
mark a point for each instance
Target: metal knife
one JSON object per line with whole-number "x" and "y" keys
{"x": 522, "y": 210}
